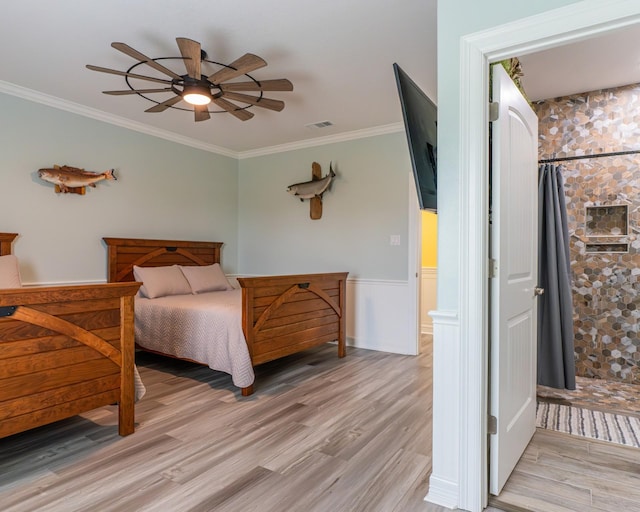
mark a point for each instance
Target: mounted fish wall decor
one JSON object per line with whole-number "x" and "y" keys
{"x": 314, "y": 189}
{"x": 72, "y": 179}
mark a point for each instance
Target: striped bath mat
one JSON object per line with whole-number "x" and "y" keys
{"x": 604, "y": 426}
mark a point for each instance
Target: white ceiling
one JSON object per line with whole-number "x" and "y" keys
{"x": 607, "y": 61}
{"x": 337, "y": 53}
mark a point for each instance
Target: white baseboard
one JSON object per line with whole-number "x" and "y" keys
{"x": 443, "y": 493}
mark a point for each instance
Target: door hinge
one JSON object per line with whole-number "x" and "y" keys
{"x": 492, "y": 425}
{"x": 493, "y": 268}
{"x": 494, "y": 111}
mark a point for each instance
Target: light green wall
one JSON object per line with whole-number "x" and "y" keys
{"x": 452, "y": 25}
{"x": 368, "y": 202}
{"x": 168, "y": 190}
{"x": 164, "y": 190}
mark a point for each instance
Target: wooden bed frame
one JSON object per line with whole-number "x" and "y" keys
{"x": 281, "y": 315}
{"x": 65, "y": 350}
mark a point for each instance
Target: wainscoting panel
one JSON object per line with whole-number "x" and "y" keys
{"x": 444, "y": 482}
{"x": 428, "y": 302}
{"x": 378, "y": 316}
{"x": 377, "y": 313}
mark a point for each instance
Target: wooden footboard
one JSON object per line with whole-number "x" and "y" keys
{"x": 65, "y": 350}
{"x": 282, "y": 315}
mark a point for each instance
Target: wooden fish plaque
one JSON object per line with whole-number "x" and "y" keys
{"x": 315, "y": 203}
{"x": 73, "y": 180}
{"x": 314, "y": 189}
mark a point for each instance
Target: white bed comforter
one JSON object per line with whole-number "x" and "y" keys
{"x": 205, "y": 328}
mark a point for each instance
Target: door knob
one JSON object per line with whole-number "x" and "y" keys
{"x": 538, "y": 291}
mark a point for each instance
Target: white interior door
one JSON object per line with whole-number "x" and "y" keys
{"x": 514, "y": 247}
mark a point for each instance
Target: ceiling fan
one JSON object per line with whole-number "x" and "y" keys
{"x": 200, "y": 90}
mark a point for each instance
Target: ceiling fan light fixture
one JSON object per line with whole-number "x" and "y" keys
{"x": 196, "y": 95}
{"x": 196, "y": 89}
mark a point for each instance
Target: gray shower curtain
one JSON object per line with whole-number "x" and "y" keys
{"x": 556, "y": 362}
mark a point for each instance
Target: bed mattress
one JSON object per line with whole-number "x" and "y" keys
{"x": 206, "y": 328}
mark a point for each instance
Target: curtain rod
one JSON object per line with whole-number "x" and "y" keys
{"x": 582, "y": 157}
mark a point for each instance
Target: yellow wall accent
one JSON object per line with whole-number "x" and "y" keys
{"x": 429, "y": 239}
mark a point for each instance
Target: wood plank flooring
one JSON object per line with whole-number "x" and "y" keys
{"x": 563, "y": 473}
{"x": 320, "y": 434}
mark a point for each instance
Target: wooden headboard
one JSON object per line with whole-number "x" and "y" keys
{"x": 124, "y": 253}
{"x": 6, "y": 239}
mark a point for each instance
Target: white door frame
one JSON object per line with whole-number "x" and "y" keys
{"x": 414, "y": 248}
{"x": 547, "y": 30}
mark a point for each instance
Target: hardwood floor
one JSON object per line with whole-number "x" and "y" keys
{"x": 320, "y": 434}
{"x": 563, "y": 473}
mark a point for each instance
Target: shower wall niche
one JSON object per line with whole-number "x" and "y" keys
{"x": 603, "y": 211}
{"x": 604, "y": 222}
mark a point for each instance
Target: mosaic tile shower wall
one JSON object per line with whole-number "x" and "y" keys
{"x": 603, "y": 207}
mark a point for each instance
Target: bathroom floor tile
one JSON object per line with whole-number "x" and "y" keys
{"x": 597, "y": 394}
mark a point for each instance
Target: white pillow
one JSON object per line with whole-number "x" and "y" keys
{"x": 233, "y": 281}
{"x": 209, "y": 278}
{"x": 161, "y": 281}
{"x": 9, "y": 272}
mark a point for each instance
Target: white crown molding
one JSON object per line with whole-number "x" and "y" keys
{"x": 99, "y": 115}
{"x": 321, "y": 141}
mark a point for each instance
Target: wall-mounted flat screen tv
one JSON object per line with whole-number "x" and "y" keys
{"x": 420, "y": 122}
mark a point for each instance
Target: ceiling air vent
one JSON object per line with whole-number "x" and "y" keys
{"x": 320, "y": 124}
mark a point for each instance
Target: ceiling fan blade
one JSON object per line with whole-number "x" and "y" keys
{"x": 126, "y": 49}
{"x": 191, "y": 53}
{"x": 276, "y": 105}
{"x": 161, "y": 107}
{"x": 136, "y": 91}
{"x": 234, "y": 110}
{"x": 130, "y": 75}
{"x": 280, "y": 84}
{"x": 201, "y": 113}
{"x": 245, "y": 64}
